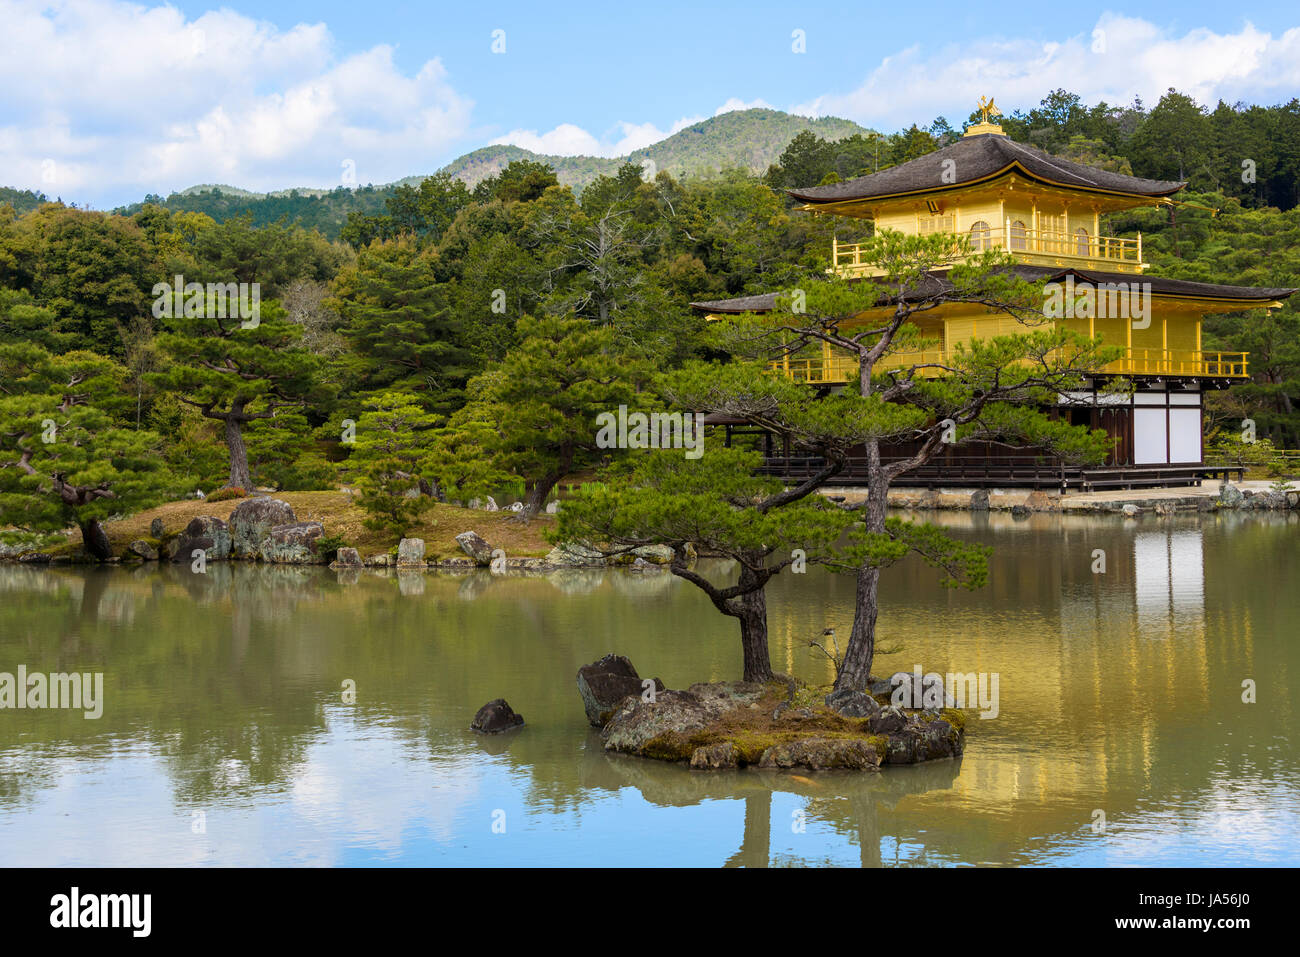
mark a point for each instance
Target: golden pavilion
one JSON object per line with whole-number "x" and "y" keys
{"x": 1046, "y": 213}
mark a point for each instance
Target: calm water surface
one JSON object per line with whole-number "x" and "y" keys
{"x": 225, "y": 739}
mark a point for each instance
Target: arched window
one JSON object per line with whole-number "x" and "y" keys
{"x": 1081, "y": 243}
{"x": 1019, "y": 235}
{"x": 981, "y": 237}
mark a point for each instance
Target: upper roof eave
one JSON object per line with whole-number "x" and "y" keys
{"x": 1243, "y": 296}
{"x": 982, "y": 159}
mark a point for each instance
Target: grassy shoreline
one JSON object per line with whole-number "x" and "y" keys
{"x": 339, "y": 514}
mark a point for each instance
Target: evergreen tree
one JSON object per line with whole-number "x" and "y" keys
{"x": 391, "y": 453}
{"x": 397, "y": 317}
{"x": 545, "y": 398}
{"x": 64, "y": 457}
{"x": 236, "y": 371}
{"x": 720, "y": 506}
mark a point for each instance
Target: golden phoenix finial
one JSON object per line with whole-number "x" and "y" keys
{"x": 988, "y": 110}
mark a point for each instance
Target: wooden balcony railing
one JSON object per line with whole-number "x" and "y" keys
{"x": 838, "y": 369}
{"x": 1230, "y": 365}
{"x": 818, "y": 370}
{"x": 1032, "y": 246}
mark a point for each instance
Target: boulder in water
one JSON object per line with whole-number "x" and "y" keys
{"x": 605, "y": 683}
{"x": 205, "y": 532}
{"x": 473, "y": 545}
{"x": 410, "y": 552}
{"x": 293, "y": 544}
{"x": 822, "y": 754}
{"x": 143, "y": 549}
{"x": 1230, "y": 496}
{"x": 496, "y": 716}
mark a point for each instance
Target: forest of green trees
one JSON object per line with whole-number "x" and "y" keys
{"x": 465, "y": 336}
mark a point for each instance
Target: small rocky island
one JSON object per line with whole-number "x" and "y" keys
{"x": 734, "y": 724}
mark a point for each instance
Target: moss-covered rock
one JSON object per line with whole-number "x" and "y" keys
{"x": 733, "y": 724}
{"x": 251, "y": 522}
{"x": 954, "y": 717}
{"x": 822, "y": 754}
{"x": 714, "y": 756}
{"x": 295, "y": 544}
{"x": 144, "y": 548}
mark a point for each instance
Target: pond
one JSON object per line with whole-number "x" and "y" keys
{"x": 226, "y": 736}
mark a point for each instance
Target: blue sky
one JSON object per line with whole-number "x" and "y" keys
{"x": 102, "y": 101}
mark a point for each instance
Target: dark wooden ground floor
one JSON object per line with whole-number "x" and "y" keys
{"x": 1155, "y": 442}
{"x": 1009, "y": 471}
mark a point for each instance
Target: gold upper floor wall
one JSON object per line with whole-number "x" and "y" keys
{"x": 1166, "y": 342}
{"x": 1037, "y": 224}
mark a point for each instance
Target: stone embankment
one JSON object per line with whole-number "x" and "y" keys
{"x": 1211, "y": 497}
{"x": 480, "y": 554}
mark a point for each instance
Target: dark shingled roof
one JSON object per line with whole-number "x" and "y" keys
{"x": 976, "y": 158}
{"x": 936, "y": 281}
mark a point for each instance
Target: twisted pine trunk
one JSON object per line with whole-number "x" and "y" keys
{"x": 240, "y": 477}
{"x": 861, "y": 651}
{"x": 749, "y": 607}
{"x": 535, "y": 499}
{"x": 751, "y": 610}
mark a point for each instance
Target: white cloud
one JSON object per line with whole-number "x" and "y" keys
{"x": 1119, "y": 58}
{"x": 684, "y": 122}
{"x": 635, "y": 136}
{"x": 565, "y": 140}
{"x": 105, "y": 97}
{"x": 568, "y": 139}
{"x": 736, "y": 103}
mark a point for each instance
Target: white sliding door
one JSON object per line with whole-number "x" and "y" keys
{"x": 1150, "y": 441}
{"x": 1184, "y": 435}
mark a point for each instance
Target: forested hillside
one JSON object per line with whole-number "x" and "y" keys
{"x": 324, "y": 211}
{"x": 743, "y": 139}
{"x": 450, "y": 325}
{"x": 22, "y": 200}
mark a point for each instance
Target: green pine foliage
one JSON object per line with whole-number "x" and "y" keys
{"x": 389, "y": 456}
{"x": 237, "y": 371}
{"x": 544, "y": 400}
{"x": 398, "y": 320}
{"x": 66, "y": 456}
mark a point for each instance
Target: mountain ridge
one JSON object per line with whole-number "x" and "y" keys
{"x": 751, "y": 139}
